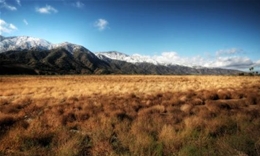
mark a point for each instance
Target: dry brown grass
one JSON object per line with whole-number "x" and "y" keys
{"x": 129, "y": 115}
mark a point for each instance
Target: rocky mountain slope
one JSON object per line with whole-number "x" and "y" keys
{"x": 28, "y": 55}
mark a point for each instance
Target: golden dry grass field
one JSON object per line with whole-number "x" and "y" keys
{"x": 130, "y": 115}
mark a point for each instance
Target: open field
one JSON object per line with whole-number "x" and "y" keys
{"x": 130, "y": 115}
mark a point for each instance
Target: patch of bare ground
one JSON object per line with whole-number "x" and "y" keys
{"x": 130, "y": 115}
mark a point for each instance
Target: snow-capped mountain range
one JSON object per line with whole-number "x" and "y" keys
{"x": 27, "y": 43}
{"x": 29, "y": 55}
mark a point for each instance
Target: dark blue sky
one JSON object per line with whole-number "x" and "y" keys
{"x": 218, "y": 32}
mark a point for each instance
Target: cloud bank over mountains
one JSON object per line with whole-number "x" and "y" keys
{"x": 225, "y": 58}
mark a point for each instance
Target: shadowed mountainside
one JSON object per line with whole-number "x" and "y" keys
{"x": 82, "y": 61}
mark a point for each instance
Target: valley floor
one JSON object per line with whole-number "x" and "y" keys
{"x": 129, "y": 115}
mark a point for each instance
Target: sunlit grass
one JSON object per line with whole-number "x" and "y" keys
{"x": 129, "y": 115}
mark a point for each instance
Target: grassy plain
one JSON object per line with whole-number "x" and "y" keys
{"x": 129, "y": 115}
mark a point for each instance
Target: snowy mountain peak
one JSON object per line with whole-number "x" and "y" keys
{"x": 27, "y": 43}
{"x": 116, "y": 53}
{"x": 113, "y": 55}
{"x": 22, "y": 43}
{"x": 69, "y": 47}
{"x": 124, "y": 57}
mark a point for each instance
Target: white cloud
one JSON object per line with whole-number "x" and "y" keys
{"x": 18, "y": 2}
{"x": 79, "y": 4}
{"x": 13, "y": 27}
{"x": 235, "y": 62}
{"x": 166, "y": 58}
{"x": 2, "y": 22}
{"x": 25, "y": 22}
{"x": 6, "y": 27}
{"x": 47, "y": 10}
{"x": 101, "y": 24}
{"x": 231, "y": 51}
{"x": 169, "y": 58}
{"x": 257, "y": 63}
{"x": 3, "y": 4}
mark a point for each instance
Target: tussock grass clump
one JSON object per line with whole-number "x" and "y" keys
{"x": 210, "y": 95}
{"x": 224, "y": 94}
{"x": 252, "y": 98}
{"x": 186, "y": 108}
{"x": 12, "y": 109}
{"x": 203, "y": 112}
{"x": 6, "y": 122}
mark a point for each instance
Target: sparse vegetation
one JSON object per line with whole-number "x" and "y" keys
{"x": 129, "y": 115}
